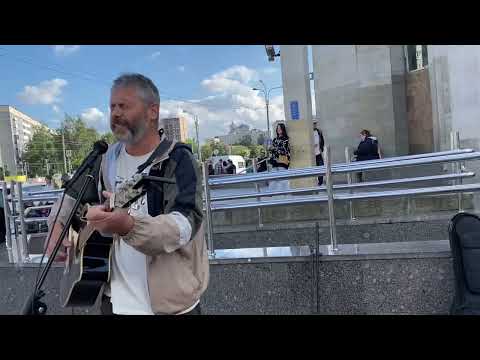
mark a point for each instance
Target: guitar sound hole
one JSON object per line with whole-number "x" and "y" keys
{"x": 95, "y": 261}
{"x": 95, "y": 269}
{"x": 96, "y": 238}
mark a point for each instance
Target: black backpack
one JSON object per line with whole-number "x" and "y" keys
{"x": 464, "y": 235}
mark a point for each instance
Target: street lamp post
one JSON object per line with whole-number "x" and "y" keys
{"x": 266, "y": 93}
{"x": 195, "y": 119}
{"x": 198, "y": 141}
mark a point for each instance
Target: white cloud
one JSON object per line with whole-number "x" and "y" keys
{"x": 65, "y": 49}
{"x": 155, "y": 55}
{"x": 56, "y": 109}
{"x": 234, "y": 80}
{"x": 46, "y": 93}
{"x": 239, "y": 72}
{"x": 181, "y": 68}
{"x": 232, "y": 99}
{"x": 95, "y": 118}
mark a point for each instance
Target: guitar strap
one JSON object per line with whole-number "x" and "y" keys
{"x": 162, "y": 148}
{"x": 105, "y": 184}
{"x": 165, "y": 147}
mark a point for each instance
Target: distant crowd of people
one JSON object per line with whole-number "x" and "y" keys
{"x": 368, "y": 149}
{"x": 222, "y": 167}
{"x": 279, "y": 159}
{"x": 279, "y": 155}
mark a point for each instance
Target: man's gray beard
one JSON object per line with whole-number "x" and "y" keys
{"x": 131, "y": 138}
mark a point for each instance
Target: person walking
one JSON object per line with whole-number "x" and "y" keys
{"x": 367, "y": 149}
{"x": 219, "y": 167}
{"x": 319, "y": 144}
{"x": 211, "y": 170}
{"x": 231, "y": 168}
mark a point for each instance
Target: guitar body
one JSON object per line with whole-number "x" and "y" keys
{"x": 87, "y": 270}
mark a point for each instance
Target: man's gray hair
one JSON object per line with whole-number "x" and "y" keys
{"x": 145, "y": 87}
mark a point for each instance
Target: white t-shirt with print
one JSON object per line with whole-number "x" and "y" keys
{"x": 128, "y": 284}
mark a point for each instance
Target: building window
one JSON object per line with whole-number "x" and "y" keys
{"x": 417, "y": 57}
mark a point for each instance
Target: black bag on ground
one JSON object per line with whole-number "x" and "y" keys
{"x": 464, "y": 235}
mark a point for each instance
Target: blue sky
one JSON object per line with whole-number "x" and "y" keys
{"x": 214, "y": 82}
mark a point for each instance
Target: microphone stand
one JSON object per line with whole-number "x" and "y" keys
{"x": 33, "y": 305}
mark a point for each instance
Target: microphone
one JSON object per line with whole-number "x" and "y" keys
{"x": 99, "y": 148}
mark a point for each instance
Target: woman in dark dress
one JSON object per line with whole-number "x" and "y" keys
{"x": 280, "y": 157}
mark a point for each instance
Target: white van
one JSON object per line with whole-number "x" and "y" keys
{"x": 237, "y": 160}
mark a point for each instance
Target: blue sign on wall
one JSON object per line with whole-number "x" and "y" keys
{"x": 294, "y": 111}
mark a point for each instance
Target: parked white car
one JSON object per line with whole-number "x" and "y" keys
{"x": 237, "y": 160}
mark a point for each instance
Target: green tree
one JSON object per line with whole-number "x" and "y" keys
{"x": 206, "y": 151}
{"x": 241, "y": 150}
{"x": 220, "y": 146}
{"x": 261, "y": 151}
{"x": 109, "y": 138}
{"x": 79, "y": 138}
{"x": 43, "y": 153}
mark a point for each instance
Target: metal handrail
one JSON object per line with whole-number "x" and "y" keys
{"x": 38, "y": 198}
{"x": 33, "y": 220}
{"x": 252, "y": 166}
{"x": 318, "y": 169}
{"x": 455, "y": 156}
{"x": 416, "y": 156}
{"x": 241, "y": 172}
{"x": 221, "y": 176}
{"x": 312, "y": 199}
{"x": 8, "y": 230}
{"x": 346, "y": 186}
{"x": 34, "y": 193}
{"x": 353, "y": 167}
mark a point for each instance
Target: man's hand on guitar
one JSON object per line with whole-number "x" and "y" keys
{"x": 109, "y": 222}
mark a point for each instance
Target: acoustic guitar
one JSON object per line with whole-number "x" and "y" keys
{"x": 87, "y": 268}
